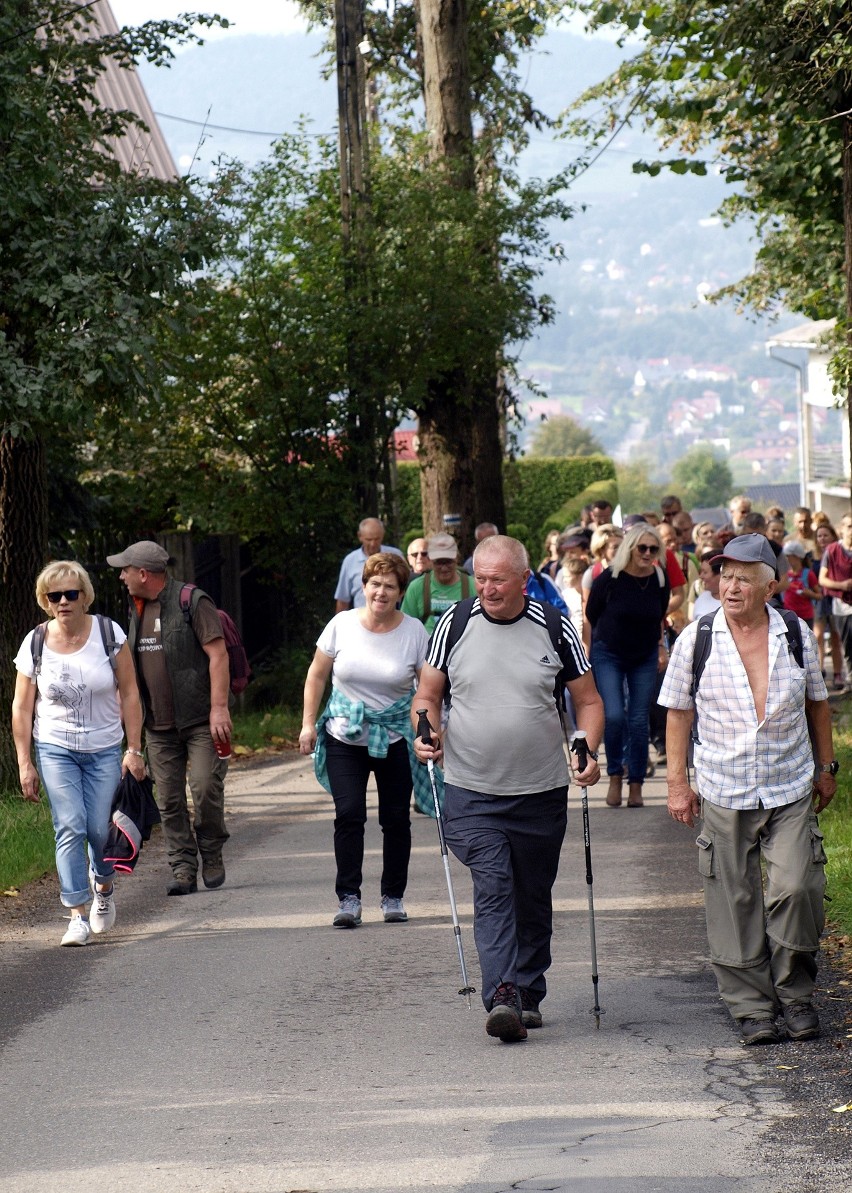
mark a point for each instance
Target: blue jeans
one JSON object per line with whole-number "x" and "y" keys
{"x": 630, "y": 723}
{"x": 79, "y": 788}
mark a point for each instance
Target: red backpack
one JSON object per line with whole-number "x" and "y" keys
{"x": 238, "y": 663}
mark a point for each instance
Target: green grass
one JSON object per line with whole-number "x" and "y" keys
{"x": 836, "y": 823}
{"x": 26, "y": 841}
{"x": 272, "y": 729}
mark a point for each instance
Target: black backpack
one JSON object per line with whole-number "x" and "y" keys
{"x": 553, "y": 621}
{"x": 704, "y": 644}
{"x": 107, "y": 637}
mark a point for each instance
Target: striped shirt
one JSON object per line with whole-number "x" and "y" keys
{"x": 503, "y": 735}
{"x": 741, "y": 763}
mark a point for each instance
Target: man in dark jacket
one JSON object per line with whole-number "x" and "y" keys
{"x": 182, "y": 666}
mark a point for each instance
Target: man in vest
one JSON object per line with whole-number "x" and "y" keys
{"x": 184, "y": 679}
{"x": 433, "y": 593}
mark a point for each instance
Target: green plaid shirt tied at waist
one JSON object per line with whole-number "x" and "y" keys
{"x": 396, "y": 718}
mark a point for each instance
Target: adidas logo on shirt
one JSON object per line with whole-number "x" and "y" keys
{"x": 544, "y": 659}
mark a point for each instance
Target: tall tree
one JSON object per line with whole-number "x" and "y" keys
{"x": 766, "y": 88}
{"x": 563, "y": 436}
{"x": 90, "y": 260}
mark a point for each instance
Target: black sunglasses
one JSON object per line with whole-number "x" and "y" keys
{"x": 70, "y": 594}
{"x": 647, "y": 549}
{"x": 417, "y": 554}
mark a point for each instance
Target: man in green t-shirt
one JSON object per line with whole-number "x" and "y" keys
{"x": 430, "y": 595}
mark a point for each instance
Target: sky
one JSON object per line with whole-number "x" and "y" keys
{"x": 247, "y": 16}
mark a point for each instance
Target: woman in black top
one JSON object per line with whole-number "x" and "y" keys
{"x": 626, "y": 609}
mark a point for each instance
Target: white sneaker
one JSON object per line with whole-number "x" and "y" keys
{"x": 393, "y": 910}
{"x": 78, "y": 931}
{"x": 102, "y": 913}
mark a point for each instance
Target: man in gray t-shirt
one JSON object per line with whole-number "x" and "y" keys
{"x": 506, "y": 776}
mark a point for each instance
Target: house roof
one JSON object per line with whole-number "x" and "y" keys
{"x": 119, "y": 88}
{"x": 804, "y": 335}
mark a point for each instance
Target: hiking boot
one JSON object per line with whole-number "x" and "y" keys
{"x": 634, "y": 797}
{"x": 801, "y": 1021}
{"x": 393, "y": 910}
{"x": 78, "y": 931}
{"x": 530, "y": 1014}
{"x": 213, "y": 871}
{"x": 613, "y": 795}
{"x": 504, "y": 1019}
{"x": 759, "y": 1031}
{"x": 348, "y": 913}
{"x": 102, "y": 912}
{"x": 183, "y": 884}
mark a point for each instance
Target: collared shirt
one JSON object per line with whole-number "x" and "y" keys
{"x": 739, "y": 762}
{"x": 349, "y": 589}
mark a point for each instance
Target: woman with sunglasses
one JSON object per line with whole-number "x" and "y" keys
{"x": 67, "y": 702}
{"x": 625, "y": 618}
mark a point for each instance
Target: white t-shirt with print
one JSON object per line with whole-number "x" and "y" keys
{"x": 377, "y": 669}
{"x": 77, "y": 702}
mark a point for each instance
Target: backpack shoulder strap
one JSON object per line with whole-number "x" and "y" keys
{"x": 701, "y": 653}
{"x": 427, "y": 596}
{"x": 187, "y": 598}
{"x": 111, "y": 646}
{"x": 465, "y": 583}
{"x": 458, "y": 621}
{"x": 794, "y": 635}
{"x": 37, "y": 648}
{"x": 553, "y": 621}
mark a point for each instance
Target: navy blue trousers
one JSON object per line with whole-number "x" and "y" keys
{"x": 511, "y": 845}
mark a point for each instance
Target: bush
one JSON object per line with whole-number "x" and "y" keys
{"x": 539, "y": 489}
{"x": 569, "y": 513}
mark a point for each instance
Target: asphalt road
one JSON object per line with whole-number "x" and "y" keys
{"x": 234, "y": 1042}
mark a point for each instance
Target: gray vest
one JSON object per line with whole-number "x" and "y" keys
{"x": 187, "y": 664}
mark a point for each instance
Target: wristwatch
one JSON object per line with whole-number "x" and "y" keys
{"x": 830, "y": 768}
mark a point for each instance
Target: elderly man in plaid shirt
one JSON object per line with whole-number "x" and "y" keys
{"x": 758, "y": 794}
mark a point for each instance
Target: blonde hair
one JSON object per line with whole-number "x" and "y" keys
{"x": 625, "y": 550}
{"x": 602, "y": 536}
{"x": 49, "y": 579}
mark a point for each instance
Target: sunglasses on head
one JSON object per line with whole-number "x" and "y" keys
{"x": 648, "y": 549}
{"x": 70, "y": 594}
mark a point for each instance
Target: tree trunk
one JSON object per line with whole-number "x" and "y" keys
{"x": 23, "y": 550}
{"x": 847, "y": 229}
{"x": 459, "y": 429}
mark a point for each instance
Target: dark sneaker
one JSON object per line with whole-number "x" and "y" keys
{"x": 504, "y": 1019}
{"x": 393, "y": 910}
{"x": 759, "y": 1031}
{"x": 801, "y": 1021}
{"x": 530, "y": 1014}
{"x": 213, "y": 871}
{"x": 348, "y": 913}
{"x": 183, "y": 885}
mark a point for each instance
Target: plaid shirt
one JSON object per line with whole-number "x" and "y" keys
{"x": 740, "y": 763}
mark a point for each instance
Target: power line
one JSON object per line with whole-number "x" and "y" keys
{"x": 225, "y": 128}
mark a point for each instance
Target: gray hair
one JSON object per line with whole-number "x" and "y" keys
{"x": 628, "y": 543}
{"x": 502, "y": 544}
{"x": 766, "y": 572}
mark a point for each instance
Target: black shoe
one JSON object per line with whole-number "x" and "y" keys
{"x": 213, "y": 871}
{"x": 504, "y": 1019}
{"x": 801, "y": 1021}
{"x": 182, "y": 886}
{"x": 530, "y": 1014}
{"x": 759, "y": 1031}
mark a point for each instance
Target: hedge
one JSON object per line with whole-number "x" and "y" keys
{"x": 541, "y": 492}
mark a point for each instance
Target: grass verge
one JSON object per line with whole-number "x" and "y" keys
{"x": 271, "y": 730}
{"x": 26, "y": 841}
{"x": 836, "y": 823}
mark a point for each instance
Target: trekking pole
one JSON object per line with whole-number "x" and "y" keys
{"x": 425, "y": 734}
{"x": 579, "y": 748}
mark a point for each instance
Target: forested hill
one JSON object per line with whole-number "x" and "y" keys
{"x": 629, "y": 272}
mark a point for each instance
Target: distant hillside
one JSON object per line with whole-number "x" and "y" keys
{"x": 628, "y": 272}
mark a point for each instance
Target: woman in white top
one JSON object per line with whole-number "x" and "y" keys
{"x": 373, "y": 657}
{"x": 67, "y": 701}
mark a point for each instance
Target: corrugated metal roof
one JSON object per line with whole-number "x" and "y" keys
{"x": 139, "y": 152}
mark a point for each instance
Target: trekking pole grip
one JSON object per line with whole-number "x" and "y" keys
{"x": 580, "y": 748}
{"x": 424, "y": 731}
